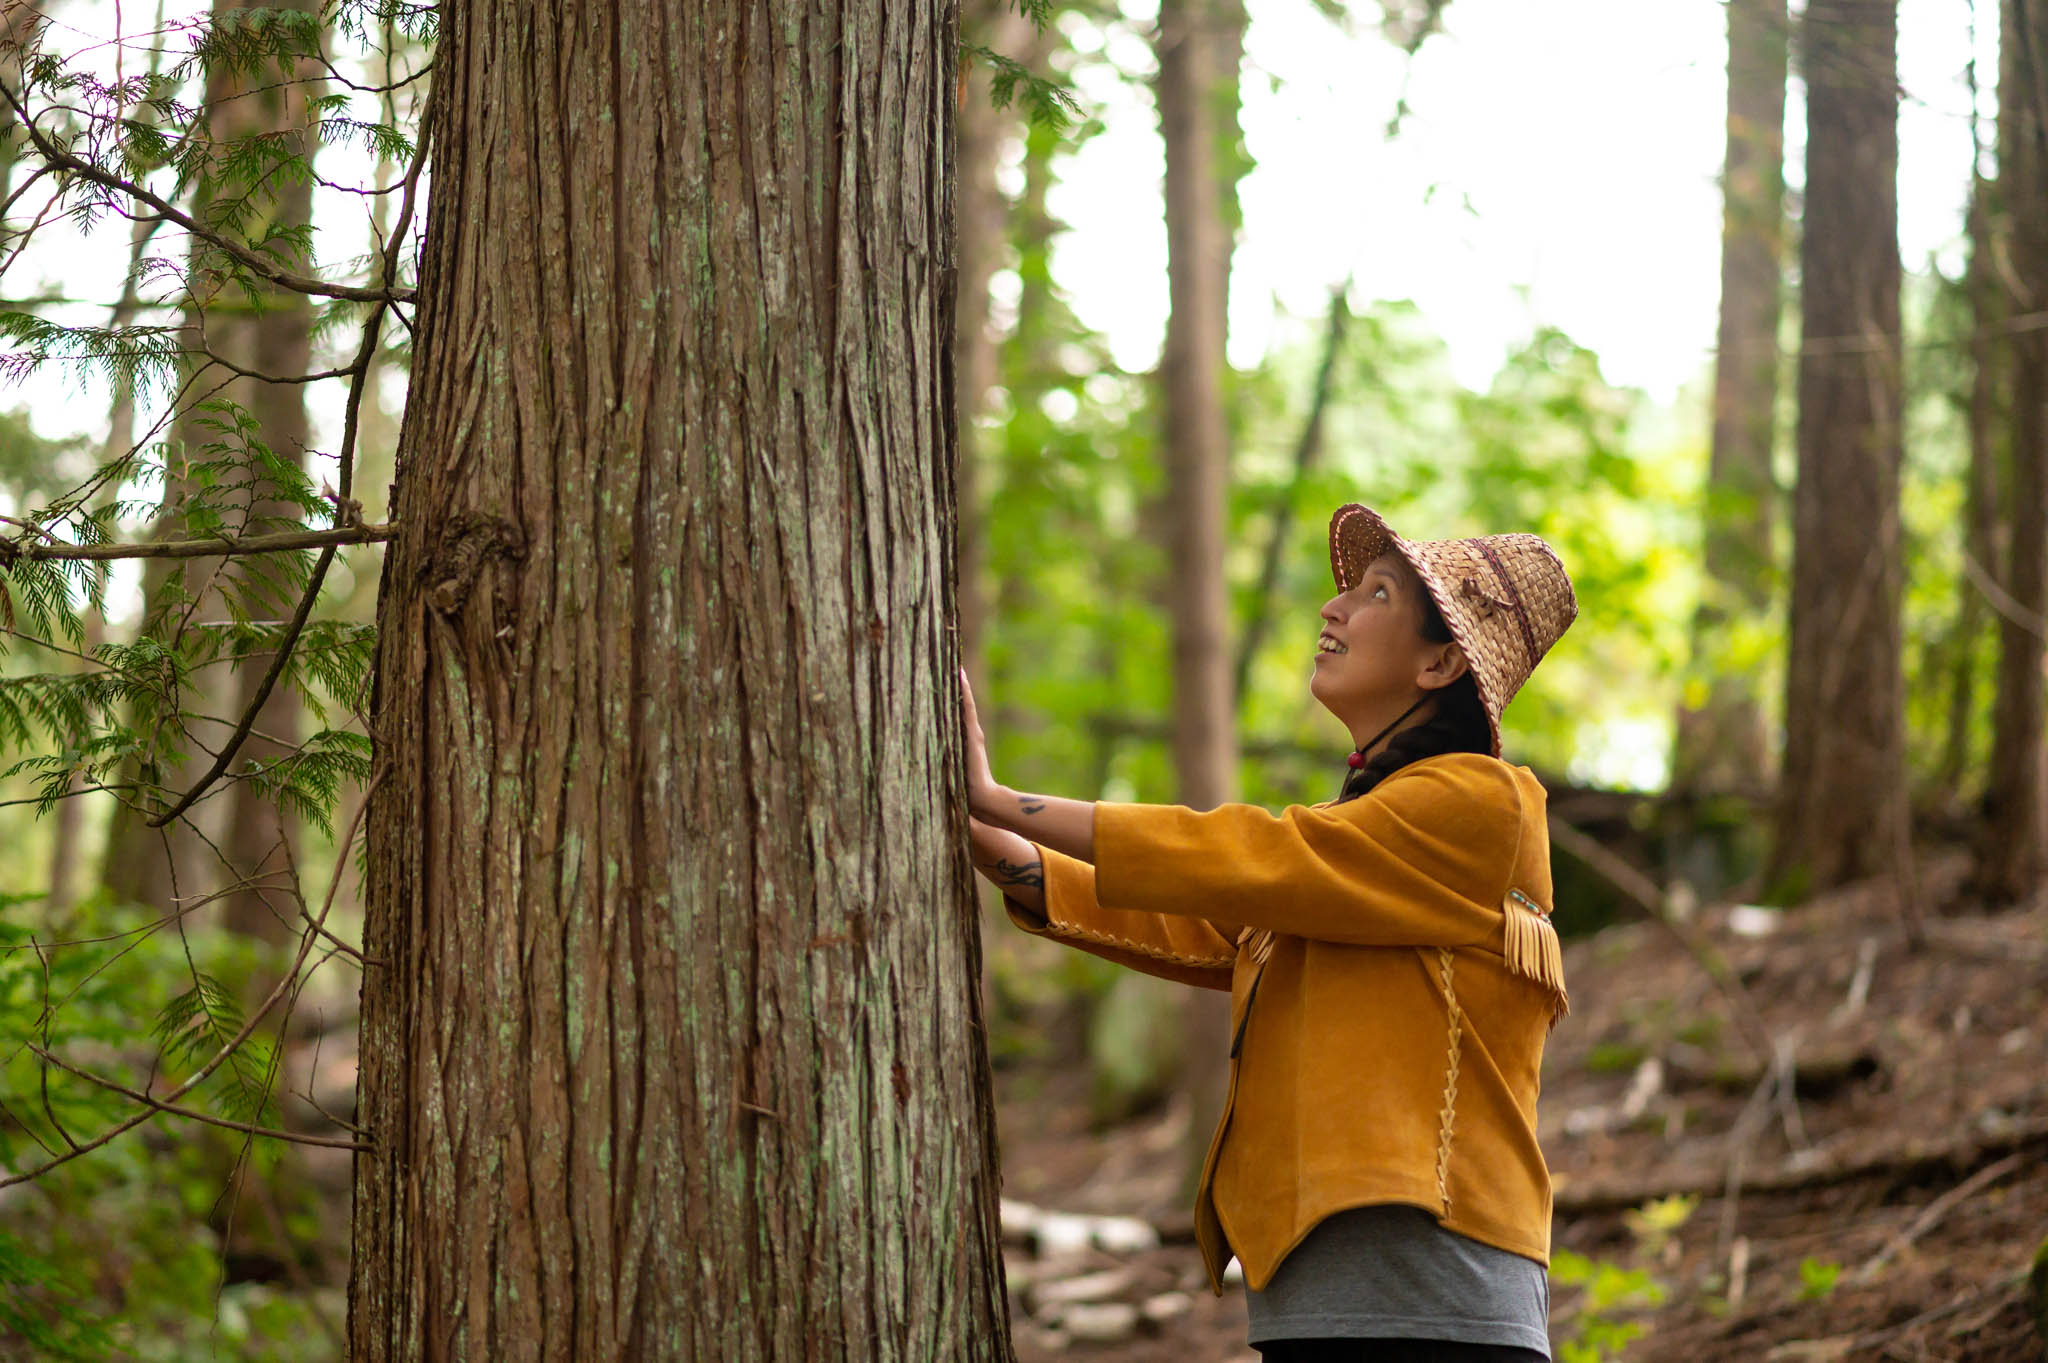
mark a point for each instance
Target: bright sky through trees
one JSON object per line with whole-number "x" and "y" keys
{"x": 1560, "y": 164}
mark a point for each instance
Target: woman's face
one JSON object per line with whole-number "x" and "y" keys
{"x": 1371, "y": 658}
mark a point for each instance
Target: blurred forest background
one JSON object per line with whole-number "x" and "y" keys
{"x": 1801, "y": 487}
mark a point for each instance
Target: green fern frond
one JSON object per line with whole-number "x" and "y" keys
{"x": 144, "y": 358}
{"x": 1045, "y": 102}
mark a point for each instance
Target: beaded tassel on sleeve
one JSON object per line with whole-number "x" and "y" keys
{"x": 1533, "y": 950}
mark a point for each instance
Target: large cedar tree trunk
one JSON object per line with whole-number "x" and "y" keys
{"x": 1199, "y": 45}
{"x": 2012, "y": 853}
{"x": 1721, "y": 740}
{"x": 1842, "y": 795}
{"x": 672, "y": 1044}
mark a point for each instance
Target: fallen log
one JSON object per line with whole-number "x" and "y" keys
{"x": 1575, "y": 1198}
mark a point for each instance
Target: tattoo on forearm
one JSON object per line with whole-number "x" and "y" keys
{"x": 1031, "y": 873}
{"x": 1030, "y": 804}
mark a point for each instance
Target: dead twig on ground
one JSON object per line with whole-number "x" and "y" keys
{"x": 1931, "y": 1215}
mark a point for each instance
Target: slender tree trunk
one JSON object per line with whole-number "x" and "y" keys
{"x": 2012, "y": 856}
{"x": 1198, "y": 46}
{"x": 275, "y": 335}
{"x": 1721, "y": 742}
{"x": 980, "y": 223}
{"x": 1842, "y": 812}
{"x": 271, "y": 333}
{"x": 1980, "y": 527}
{"x": 675, "y": 1049}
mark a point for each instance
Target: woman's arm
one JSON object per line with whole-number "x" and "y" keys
{"x": 1009, "y": 863}
{"x": 1050, "y": 892}
{"x": 1051, "y": 895}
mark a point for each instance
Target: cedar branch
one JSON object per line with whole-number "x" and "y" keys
{"x": 174, "y": 1110}
{"x": 217, "y": 545}
{"x": 165, "y": 209}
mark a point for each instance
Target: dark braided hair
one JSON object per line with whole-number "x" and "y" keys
{"x": 1457, "y": 725}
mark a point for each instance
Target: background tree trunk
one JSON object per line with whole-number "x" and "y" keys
{"x": 1842, "y": 796}
{"x": 979, "y": 226}
{"x": 1198, "y": 46}
{"x": 675, "y": 1049}
{"x": 270, "y": 333}
{"x": 2012, "y": 853}
{"x": 1982, "y": 531}
{"x": 1721, "y": 739}
{"x": 274, "y": 335}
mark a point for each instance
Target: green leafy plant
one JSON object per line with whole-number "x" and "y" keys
{"x": 1817, "y": 1278}
{"x": 1609, "y": 1291}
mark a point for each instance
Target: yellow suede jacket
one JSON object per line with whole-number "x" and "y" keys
{"x": 1393, "y": 976}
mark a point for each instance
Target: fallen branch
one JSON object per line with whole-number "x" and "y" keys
{"x": 1931, "y": 1215}
{"x": 1818, "y": 1074}
{"x": 1575, "y": 1199}
{"x": 1839, "y": 1346}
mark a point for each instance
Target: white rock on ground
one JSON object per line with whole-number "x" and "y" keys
{"x": 1165, "y": 1306}
{"x": 1100, "y": 1322}
{"x": 1091, "y": 1287}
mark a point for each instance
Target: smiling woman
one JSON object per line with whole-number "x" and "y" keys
{"x": 1385, "y": 648}
{"x": 1375, "y": 1169}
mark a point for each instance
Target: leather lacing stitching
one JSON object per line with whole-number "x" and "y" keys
{"x": 1142, "y": 949}
{"x": 1444, "y": 1121}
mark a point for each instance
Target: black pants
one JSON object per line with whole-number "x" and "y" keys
{"x": 1391, "y": 1351}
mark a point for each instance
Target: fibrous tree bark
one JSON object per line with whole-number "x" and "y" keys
{"x": 1721, "y": 741}
{"x": 2012, "y": 849}
{"x": 671, "y": 1033}
{"x": 1842, "y": 812}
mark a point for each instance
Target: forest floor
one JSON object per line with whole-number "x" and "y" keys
{"x": 1885, "y": 1204}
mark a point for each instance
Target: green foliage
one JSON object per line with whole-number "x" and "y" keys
{"x": 124, "y": 718}
{"x": 1656, "y": 1221}
{"x": 1817, "y": 1278}
{"x": 119, "y": 991}
{"x": 1045, "y": 102}
{"x": 1614, "y": 1057}
{"x": 46, "y": 1309}
{"x": 146, "y": 998}
{"x": 1610, "y": 1290}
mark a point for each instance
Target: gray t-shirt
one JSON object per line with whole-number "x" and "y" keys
{"x": 1392, "y": 1271}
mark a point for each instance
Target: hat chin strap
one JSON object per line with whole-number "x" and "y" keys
{"x": 1358, "y": 755}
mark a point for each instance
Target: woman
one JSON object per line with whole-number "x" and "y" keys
{"x": 1392, "y": 968}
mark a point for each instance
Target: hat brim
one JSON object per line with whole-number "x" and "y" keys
{"x": 1358, "y": 535}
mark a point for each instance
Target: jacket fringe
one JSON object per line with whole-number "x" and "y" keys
{"x": 1533, "y": 950}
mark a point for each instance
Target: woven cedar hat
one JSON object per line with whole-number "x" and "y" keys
{"x": 1506, "y": 598}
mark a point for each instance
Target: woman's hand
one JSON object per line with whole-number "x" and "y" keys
{"x": 1064, "y": 825}
{"x": 983, "y": 793}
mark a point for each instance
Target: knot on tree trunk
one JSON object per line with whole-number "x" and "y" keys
{"x": 468, "y": 541}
